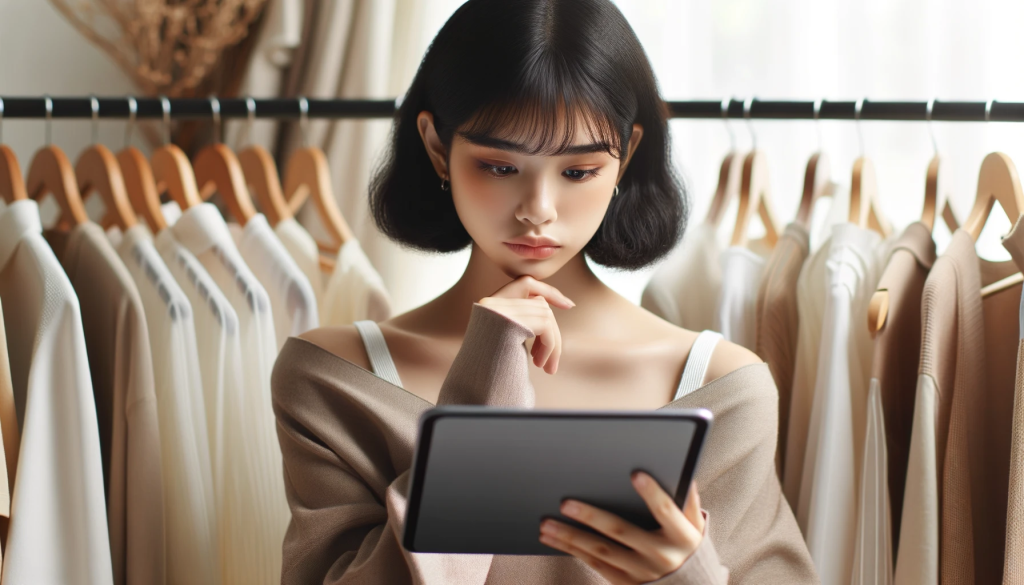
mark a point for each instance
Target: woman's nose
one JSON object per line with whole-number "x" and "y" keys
{"x": 537, "y": 206}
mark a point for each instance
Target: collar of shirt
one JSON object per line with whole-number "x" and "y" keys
{"x": 200, "y": 228}
{"x": 917, "y": 239}
{"x": 20, "y": 218}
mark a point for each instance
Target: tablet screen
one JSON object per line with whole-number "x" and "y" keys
{"x": 489, "y": 480}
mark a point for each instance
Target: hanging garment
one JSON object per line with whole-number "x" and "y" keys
{"x": 223, "y": 383}
{"x": 338, "y": 473}
{"x": 777, "y": 320}
{"x": 190, "y": 514}
{"x": 967, "y": 363}
{"x": 121, "y": 364}
{"x": 304, "y": 250}
{"x": 258, "y": 515}
{"x": 736, "y": 313}
{"x": 685, "y": 288}
{"x": 58, "y": 531}
{"x": 6, "y": 414}
{"x": 810, "y": 293}
{"x": 891, "y": 406}
{"x": 291, "y": 296}
{"x": 835, "y": 433}
{"x": 1013, "y": 567}
{"x": 355, "y": 291}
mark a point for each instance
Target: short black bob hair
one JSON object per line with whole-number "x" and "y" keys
{"x": 515, "y": 68}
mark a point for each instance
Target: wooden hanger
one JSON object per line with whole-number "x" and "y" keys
{"x": 728, "y": 185}
{"x": 307, "y": 175}
{"x": 865, "y": 209}
{"x": 755, "y": 197}
{"x": 51, "y": 172}
{"x": 997, "y": 181}
{"x": 138, "y": 178}
{"x": 261, "y": 175}
{"x": 171, "y": 169}
{"x": 217, "y": 170}
{"x": 817, "y": 184}
{"x": 864, "y": 206}
{"x": 97, "y": 171}
{"x": 12, "y": 185}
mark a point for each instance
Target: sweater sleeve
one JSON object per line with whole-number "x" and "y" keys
{"x": 492, "y": 367}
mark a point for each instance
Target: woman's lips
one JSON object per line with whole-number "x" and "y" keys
{"x": 534, "y": 252}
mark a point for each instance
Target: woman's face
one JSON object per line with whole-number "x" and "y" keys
{"x": 531, "y": 214}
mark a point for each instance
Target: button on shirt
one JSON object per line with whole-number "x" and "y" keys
{"x": 58, "y": 531}
{"x": 257, "y": 508}
{"x": 190, "y": 516}
{"x": 292, "y": 300}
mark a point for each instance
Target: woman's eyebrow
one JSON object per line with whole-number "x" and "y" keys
{"x": 517, "y": 147}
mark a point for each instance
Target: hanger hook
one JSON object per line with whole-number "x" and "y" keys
{"x": 250, "y": 108}
{"x": 133, "y": 110}
{"x": 857, "y": 108}
{"x": 215, "y": 110}
{"x": 304, "y": 120}
{"x": 94, "y": 103}
{"x": 1, "y": 120}
{"x": 49, "y": 118}
{"x": 165, "y": 105}
{"x": 747, "y": 105}
{"x": 988, "y": 110}
{"x": 817, "y": 120}
{"x": 931, "y": 129}
{"x": 725, "y": 120}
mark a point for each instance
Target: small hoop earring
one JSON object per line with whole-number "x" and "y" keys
{"x": 615, "y": 193}
{"x": 444, "y": 184}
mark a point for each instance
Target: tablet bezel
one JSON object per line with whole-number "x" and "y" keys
{"x": 701, "y": 416}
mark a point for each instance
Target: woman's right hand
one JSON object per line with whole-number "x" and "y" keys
{"x": 528, "y": 301}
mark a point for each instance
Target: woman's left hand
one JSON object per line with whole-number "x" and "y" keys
{"x": 627, "y": 554}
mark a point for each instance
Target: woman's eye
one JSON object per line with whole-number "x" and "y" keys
{"x": 580, "y": 174}
{"x": 498, "y": 170}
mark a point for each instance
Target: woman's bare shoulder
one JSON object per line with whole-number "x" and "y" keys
{"x": 726, "y": 358}
{"x": 343, "y": 341}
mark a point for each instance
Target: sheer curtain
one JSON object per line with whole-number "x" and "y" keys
{"x": 784, "y": 49}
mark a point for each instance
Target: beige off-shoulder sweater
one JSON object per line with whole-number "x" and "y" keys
{"x": 347, "y": 438}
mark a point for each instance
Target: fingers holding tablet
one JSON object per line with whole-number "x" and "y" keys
{"x": 626, "y": 553}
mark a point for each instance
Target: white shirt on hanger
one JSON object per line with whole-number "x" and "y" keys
{"x": 827, "y": 508}
{"x": 305, "y": 251}
{"x": 291, "y": 295}
{"x": 191, "y": 514}
{"x": 58, "y": 531}
{"x": 257, "y": 508}
{"x": 355, "y": 291}
{"x": 736, "y": 314}
{"x": 685, "y": 288}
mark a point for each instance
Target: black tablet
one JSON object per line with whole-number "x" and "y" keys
{"x": 484, "y": 478}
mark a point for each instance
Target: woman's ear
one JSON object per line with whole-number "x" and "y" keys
{"x": 634, "y": 141}
{"x": 435, "y": 148}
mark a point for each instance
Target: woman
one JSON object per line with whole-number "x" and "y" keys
{"x": 534, "y": 133}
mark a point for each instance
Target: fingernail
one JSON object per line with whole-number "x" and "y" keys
{"x": 548, "y": 527}
{"x": 570, "y": 508}
{"x": 641, "y": 479}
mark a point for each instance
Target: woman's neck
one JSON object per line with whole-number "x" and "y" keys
{"x": 483, "y": 278}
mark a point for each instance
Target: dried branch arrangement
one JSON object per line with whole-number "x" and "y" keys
{"x": 166, "y": 46}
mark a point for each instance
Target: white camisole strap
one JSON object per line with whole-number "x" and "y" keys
{"x": 377, "y": 350}
{"x": 696, "y": 367}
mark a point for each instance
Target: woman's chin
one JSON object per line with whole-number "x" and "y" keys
{"x": 538, "y": 269}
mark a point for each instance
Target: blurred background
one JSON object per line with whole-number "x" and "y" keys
{"x": 769, "y": 49}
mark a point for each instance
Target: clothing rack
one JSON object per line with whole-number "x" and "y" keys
{"x": 285, "y": 108}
